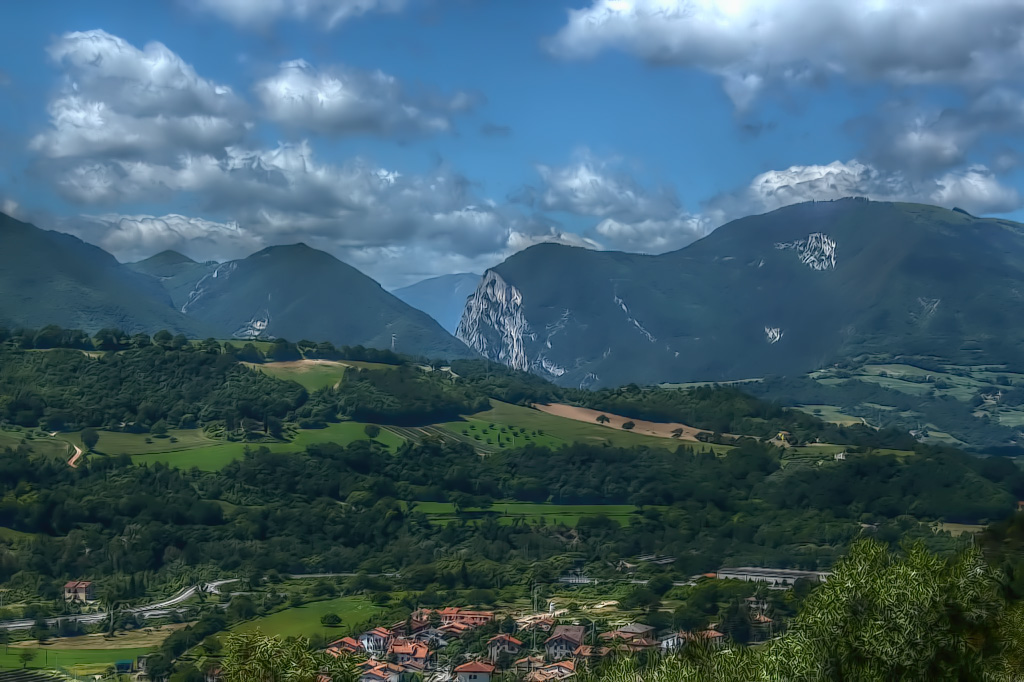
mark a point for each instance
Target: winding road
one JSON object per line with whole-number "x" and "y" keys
{"x": 163, "y": 608}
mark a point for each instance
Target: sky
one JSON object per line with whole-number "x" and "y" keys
{"x": 414, "y": 138}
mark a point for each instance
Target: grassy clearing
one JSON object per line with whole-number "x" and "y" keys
{"x": 548, "y": 430}
{"x": 958, "y": 529}
{"x": 79, "y": 661}
{"x": 310, "y": 374}
{"x": 43, "y": 443}
{"x": 508, "y": 512}
{"x": 218, "y": 455}
{"x": 117, "y": 443}
{"x": 831, "y": 414}
{"x": 303, "y": 621}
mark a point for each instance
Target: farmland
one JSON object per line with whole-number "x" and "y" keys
{"x": 77, "y": 661}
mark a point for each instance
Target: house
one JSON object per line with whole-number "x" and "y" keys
{"x": 503, "y": 644}
{"x": 636, "y": 645}
{"x": 455, "y": 630}
{"x": 628, "y": 633}
{"x": 79, "y": 591}
{"x": 432, "y": 637}
{"x": 374, "y": 671}
{"x": 475, "y": 671}
{"x": 559, "y": 670}
{"x": 528, "y": 664}
{"x": 454, "y": 614}
{"x": 673, "y": 641}
{"x": 410, "y": 652}
{"x": 212, "y": 674}
{"x": 376, "y": 641}
{"x": 588, "y": 654}
{"x": 563, "y": 641}
{"x": 344, "y": 646}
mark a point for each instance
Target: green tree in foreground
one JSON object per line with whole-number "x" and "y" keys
{"x": 90, "y": 438}
{"x": 255, "y": 657}
{"x": 330, "y": 620}
{"x": 880, "y": 617}
{"x": 371, "y": 430}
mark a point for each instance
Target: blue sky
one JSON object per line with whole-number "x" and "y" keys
{"x": 420, "y": 137}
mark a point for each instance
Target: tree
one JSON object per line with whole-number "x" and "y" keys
{"x": 5, "y": 639}
{"x": 89, "y": 438}
{"x": 331, "y": 620}
{"x": 26, "y": 656}
{"x": 629, "y": 425}
{"x": 159, "y": 429}
{"x": 602, "y": 419}
{"x": 372, "y": 431}
{"x": 255, "y": 657}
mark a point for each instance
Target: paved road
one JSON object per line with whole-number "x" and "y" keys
{"x": 163, "y": 608}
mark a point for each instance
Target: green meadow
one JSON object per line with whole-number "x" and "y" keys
{"x": 303, "y": 621}
{"x": 508, "y": 512}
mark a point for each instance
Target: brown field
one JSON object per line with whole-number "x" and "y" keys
{"x": 583, "y": 414}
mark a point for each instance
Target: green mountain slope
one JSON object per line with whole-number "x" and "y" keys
{"x": 781, "y": 293}
{"x": 177, "y": 273}
{"x": 54, "y": 278}
{"x": 296, "y": 292}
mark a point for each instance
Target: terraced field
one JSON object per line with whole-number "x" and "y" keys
{"x": 508, "y": 513}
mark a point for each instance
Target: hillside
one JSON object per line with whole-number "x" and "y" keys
{"x": 54, "y": 278}
{"x": 443, "y": 298}
{"x": 177, "y": 273}
{"x": 782, "y": 293}
{"x": 296, "y": 292}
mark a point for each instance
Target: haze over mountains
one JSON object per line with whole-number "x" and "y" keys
{"x": 443, "y": 298}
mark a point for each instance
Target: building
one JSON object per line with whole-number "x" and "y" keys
{"x": 558, "y": 670}
{"x": 409, "y": 652}
{"x": 503, "y": 644}
{"x": 475, "y": 671}
{"x": 528, "y": 664}
{"x": 454, "y": 614}
{"x": 588, "y": 654}
{"x": 79, "y": 591}
{"x": 344, "y": 646}
{"x": 775, "y": 577}
{"x": 629, "y": 633}
{"x": 375, "y": 671}
{"x": 376, "y": 641}
{"x": 672, "y": 641}
{"x": 564, "y": 640}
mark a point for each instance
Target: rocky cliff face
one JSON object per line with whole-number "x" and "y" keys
{"x": 494, "y": 323}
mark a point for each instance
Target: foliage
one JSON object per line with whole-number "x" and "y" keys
{"x": 254, "y": 657}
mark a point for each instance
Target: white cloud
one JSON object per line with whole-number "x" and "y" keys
{"x": 348, "y": 101}
{"x": 11, "y": 208}
{"x": 751, "y": 42}
{"x": 975, "y": 189}
{"x": 134, "y": 237}
{"x": 262, "y": 13}
{"x": 632, "y": 217}
{"x": 120, "y": 101}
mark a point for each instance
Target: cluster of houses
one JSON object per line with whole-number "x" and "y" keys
{"x": 407, "y": 649}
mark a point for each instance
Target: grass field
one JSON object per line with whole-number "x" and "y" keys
{"x": 547, "y": 430}
{"x": 117, "y": 443}
{"x": 310, "y": 374}
{"x": 304, "y": 620}
{"x": 40, "y": 442}
{"x": 79, "y": 661}
{"x": 957, "y": 529}
{"x": 508, "y": 512}
{"x": 830, "y": 413}
{"x": 133, "y": 639}
{"x": 218, "y": 454}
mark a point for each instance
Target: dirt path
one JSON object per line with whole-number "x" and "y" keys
{"x": 75, "y": 457}
{"x": 583, "y": 414}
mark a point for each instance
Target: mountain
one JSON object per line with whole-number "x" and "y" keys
{"x": 54, "y": 278}
{"x": 782, "y": 293}
{"x": 296, "y": 292}
{"x": 177, "y": 273}
{"x": 443, "y": 298}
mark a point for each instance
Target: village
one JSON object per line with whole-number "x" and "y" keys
{"x": 538, "y": 647}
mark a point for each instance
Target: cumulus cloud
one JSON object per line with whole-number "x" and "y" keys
{"x": 11, "y": 208}
{"x": 393, "y": 226}
{"x": 124, "y": 102}
{"x": 262, "y": 13}
{"x": 750, "y": 43}
{"x": 975, "y": 189}
{"x": 631, "y": 217}
{"x": 135, "y": 237}
{"x": 347, "y": 101}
